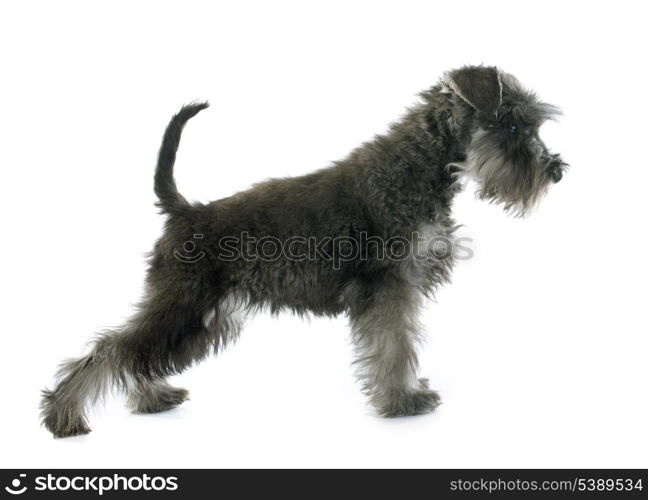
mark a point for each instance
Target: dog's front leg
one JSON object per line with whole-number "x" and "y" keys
{"x": 385, "y": 333}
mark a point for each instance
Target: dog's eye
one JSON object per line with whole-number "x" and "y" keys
{"x": 514, "y": 130}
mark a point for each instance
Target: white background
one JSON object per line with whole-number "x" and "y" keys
{"x": 538, "y": 347}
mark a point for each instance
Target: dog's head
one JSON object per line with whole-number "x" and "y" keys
{"x": 505, "y": 154}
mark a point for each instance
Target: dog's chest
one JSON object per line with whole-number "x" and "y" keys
{"x": 432, "y": 253}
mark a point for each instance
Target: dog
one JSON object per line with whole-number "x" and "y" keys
{"x": 476, "y": 123}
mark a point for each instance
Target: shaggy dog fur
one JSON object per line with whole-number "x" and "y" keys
{"x": 477, "y": 122}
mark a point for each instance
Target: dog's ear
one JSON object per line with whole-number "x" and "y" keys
{"x": 479, "y": 86}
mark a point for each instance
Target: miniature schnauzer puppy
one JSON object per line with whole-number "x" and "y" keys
{"x": 477, "y": 122}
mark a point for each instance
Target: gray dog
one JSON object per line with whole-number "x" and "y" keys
{"x": 355, "y": 238}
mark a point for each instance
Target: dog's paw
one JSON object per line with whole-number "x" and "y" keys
{"x": 61, "y": 417}
{"x": 62, "y": 427}
{"x": 161, "y": 400}
{"x": 400, "y": 404}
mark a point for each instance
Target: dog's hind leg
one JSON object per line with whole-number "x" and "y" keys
{"x": 222, "y": 323}
{"x": 384, "y": 334}
{"x": 165, "y": 337}
{"x": 80, "y": 381}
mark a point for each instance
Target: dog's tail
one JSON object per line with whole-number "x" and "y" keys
{"x": 164, "y": 185}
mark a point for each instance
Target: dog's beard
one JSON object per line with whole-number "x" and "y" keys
{"x": 517, "y": 185}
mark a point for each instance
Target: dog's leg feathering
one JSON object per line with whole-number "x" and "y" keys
{"x": 385, "y": 333}
{"x": 79, "y": 380}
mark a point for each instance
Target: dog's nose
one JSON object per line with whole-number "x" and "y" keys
{"x": 554, "y": 167}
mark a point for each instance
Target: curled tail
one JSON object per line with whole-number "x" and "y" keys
{"x": 164, "y": 185}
